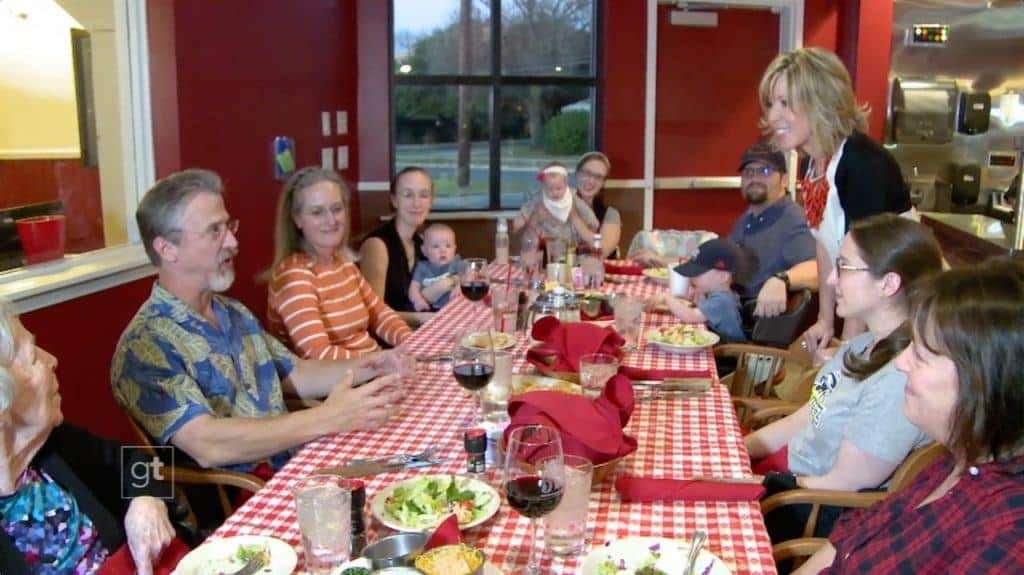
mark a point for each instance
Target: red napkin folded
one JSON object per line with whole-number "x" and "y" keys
{"x": 591, "y": 428}
{"x": 562, "y": 344}
{"x": 625, "y": 268}
{"x": 778, "y": 461}
{"x": 658, "y": 374}
{"x": 652, "y": 489}
{"x": 121, "y": 563}
{"x": 447, "y": 533}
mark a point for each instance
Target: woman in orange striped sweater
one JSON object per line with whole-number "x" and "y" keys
{"x": 320, "y": 304}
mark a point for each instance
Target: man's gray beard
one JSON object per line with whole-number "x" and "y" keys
{"x": 758, "y": 200}
{"x": 221, "y": 282}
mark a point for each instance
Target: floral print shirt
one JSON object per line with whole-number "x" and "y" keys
{"x": 49, "y": 529}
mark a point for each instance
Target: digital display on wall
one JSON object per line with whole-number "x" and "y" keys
{"x": 929, "y": 34}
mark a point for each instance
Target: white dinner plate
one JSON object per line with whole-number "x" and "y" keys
{"x": 635, "y": 552}
{"x": 657, "y": 275}
{"x": 713, "y": 339}
{"x": 479, "y": 487}
{"x": 499, "y": 340}
{"x": 218, "y": 556}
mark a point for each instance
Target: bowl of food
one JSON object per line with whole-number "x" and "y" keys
{"x": 526, "y": 383}
{"x": 602, "y": 471}
{"x": 397, "y": 550}
{"x": 452, "y": 560}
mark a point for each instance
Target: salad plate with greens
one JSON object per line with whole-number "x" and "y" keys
{"x": 228, "y": 555}
{"x": 682, "y": 338}
{"x": 421, "y": 503}
{"x": 648, "y": 556}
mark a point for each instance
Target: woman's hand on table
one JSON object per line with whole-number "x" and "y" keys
{"x": 148, "y": 531}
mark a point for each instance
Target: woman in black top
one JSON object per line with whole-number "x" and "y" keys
{"x": 809, "y": 106}
{"x": 389, "y": 253}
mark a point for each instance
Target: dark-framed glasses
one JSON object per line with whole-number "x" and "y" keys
{"x": 592, "y": 175}
{"x": 754, "y": 171}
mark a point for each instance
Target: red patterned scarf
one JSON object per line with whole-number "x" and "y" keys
{"x": 814, "y": 193}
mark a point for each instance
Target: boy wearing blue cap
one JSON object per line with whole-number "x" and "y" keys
{"x": 712, "y": 272}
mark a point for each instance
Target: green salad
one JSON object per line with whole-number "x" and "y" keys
{"x": 425, "y": 502}
{"x": 680, "y": 335}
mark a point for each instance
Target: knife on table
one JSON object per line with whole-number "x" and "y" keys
{"x": 692, "y": 384}
{"x": 370, "y": 467}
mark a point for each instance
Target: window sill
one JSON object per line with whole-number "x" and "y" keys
{"x": 45, "y": 284}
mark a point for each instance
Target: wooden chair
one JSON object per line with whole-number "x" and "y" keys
{"x": 802, "y": 547}
{"x": 916, "y": 462}
{"x": 218, "y": 478}
{"x": 766, "y": 377}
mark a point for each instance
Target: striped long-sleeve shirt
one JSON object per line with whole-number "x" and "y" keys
{"x": 326, "y": 311}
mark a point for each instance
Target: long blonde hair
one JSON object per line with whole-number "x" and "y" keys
{"x": 288, "y": 237}
{"x": 818, "y": 86}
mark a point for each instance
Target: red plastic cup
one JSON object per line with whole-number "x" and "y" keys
{"x": 42, "y": 238}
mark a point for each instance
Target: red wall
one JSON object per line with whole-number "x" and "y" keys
{"x": 33, "y": 181}
{"x": 248, "y": 71}
{"x": 622, "y": 80}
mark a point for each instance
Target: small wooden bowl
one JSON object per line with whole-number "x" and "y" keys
{"x": 605, "y": 469}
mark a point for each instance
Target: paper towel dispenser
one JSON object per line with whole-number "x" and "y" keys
{"x": 923, "y": 111}
{"x": 975, "y": 109}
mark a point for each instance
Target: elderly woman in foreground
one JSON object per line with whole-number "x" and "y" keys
{"x": 965, "y": 389}
{"x": 61, "y": 509}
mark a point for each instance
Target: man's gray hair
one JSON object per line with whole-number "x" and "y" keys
{"x": 159, "y": 212}
{"x": 7, "y": 317}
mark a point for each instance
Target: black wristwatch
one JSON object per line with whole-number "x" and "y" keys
{"x": 784, "y": 277}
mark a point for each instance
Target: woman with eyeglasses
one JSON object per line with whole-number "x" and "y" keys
{"x": 852, "y": 433}
{"x": 808, "y": 104}
{"x": 591, "y": 173}
{"x": 965, "y": 389}
{"x": 319, "y": 303}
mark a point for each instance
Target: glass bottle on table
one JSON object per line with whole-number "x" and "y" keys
{"x": 592, "y": 263}
{"x": 501, "y": 243}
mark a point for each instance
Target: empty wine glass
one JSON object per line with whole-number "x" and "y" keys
{"x": 473, "y": 364}
{"x": 533, "y": 477}
{"x": 474, "y": 280}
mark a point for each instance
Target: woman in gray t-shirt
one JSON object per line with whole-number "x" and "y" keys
{"x": 852, "y": 434}
{"x": 591, "y": 173}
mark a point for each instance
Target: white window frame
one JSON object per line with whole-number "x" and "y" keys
{"x": 41, "y": 285}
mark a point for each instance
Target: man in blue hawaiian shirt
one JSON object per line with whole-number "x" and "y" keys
{"x": 197, "y": 370}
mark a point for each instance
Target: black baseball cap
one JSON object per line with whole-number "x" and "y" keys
{"x": 719, "y": 254}
{"x": 762, "y": 152}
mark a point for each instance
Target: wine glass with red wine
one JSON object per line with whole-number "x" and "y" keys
{"x": 474, "y": 281}
{"x": 534, "y": 477}
{"x": 473, "y": 364}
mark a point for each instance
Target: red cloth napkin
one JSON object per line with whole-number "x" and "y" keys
{"x": 778, "y": 461}
{"x": 658, "y": 374}
{"x": 121, "y": 563}
{"x": 591, "y": 428}
{"x": 447, "y": 533}
{"x": 626, "y": 269}
{"x": 632, "y": 488}
{"x": 562, "y": 344}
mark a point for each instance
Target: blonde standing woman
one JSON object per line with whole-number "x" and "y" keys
{"x": 319, "y": 303}
{"x": 809, "y": 106}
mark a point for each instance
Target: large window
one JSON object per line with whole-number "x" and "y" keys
{"x": 487, "y": 91}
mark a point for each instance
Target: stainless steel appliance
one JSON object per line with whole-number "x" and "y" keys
{"x": 956, "y": 109}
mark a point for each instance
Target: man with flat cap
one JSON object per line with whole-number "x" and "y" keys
{"x": 774, "y": 229}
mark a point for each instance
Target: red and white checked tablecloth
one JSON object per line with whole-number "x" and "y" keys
{"x": 678, "y": 437}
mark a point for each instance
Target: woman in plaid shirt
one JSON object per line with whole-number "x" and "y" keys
{"x": 965, "y": 389}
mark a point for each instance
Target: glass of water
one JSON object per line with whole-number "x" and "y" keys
{"x": 324, "y": 506}
{"x": 504, "y": 307}
{"x": 565, "y": 529}
{"x": 595, "y": 371}
{"x": 627, "y": 318}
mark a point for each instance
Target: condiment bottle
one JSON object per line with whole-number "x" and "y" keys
{"x": 358, "y": 535}
{"x": 476, "y": 450}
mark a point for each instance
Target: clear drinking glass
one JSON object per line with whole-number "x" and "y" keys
{"x": 474, "y": 281}
{"x": 504, "y": 307}
{"x": 495, "y": 395}
{"x": 533, "y": 477}
{"x": 323, "y": 504}
{"x": 530, "y": 255}
{"x": 627, "y": 318}
{"x": 595, "y": 371}
{"x": 565, "y": 529}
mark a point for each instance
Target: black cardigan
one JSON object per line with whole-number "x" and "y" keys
{"x": 869, "y": 181}
{"x": 90, "y": 469}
